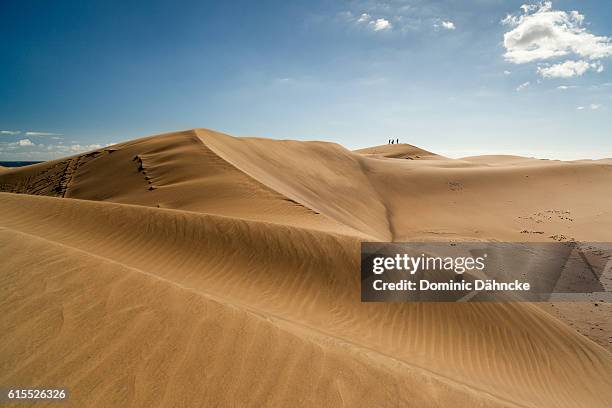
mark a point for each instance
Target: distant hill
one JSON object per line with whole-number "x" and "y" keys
{"x": 17, "y": 163}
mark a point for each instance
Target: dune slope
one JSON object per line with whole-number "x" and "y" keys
{"x": 128, "y": 338}
{"x": 168, "y": 297}
{"x": 403, "y": 199}
{"x": 173, "y": 170}
{"x": 310, "y": 285}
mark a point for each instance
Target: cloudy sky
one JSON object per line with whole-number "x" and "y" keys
{"x": 457, "y": 77}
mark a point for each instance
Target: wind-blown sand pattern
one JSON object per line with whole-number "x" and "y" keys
{"x": 199, "y": 269}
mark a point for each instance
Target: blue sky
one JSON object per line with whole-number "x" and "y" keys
{"x": 458, "y": 78}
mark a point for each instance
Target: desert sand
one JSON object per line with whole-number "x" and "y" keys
{"x": 200, "y": 269}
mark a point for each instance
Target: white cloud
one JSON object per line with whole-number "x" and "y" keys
{"x": 569, "y": 69}
{"x": 380, "y": 24}
{"x": 449, "y": 25}
{"x": 55, "y": 136}
{"x": 592, "y": 106}
{"x": 376, "y": 24}
{"x": 26, "y": 149}
{"x": 77, "y": 148}
{"x": 364, "y": 18}
{"x": 522, "y": 86}
{"x": 506, "y": 72}
{"x": 528, "y": 8}
{"x": 25, "y": 142}
{"x": 541, "y": 33}
{"x": 565, "y": 87}
{"x": 42, "y": 134}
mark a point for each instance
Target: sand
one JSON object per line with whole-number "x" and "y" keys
{"x": 199, "y": 269}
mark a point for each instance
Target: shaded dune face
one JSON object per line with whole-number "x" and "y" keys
{"x": 234, "y": 280}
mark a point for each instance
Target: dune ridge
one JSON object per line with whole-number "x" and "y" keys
{"x": 174, "y": 170}
{"x": 404, "y": 199}
{"x": 363, "y": 378}
{"x": 321, "y": 185}
{"x": 284, "y": 290}
{"x": 267, "y": 286}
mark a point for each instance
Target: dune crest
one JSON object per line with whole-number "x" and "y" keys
{"x": 225, "y": 271}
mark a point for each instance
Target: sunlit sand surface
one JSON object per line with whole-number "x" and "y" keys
{"x": 199, "y": 269}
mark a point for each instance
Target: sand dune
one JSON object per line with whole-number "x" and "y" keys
{"x": 172, "y": 345}
{"x": 169, "y": 171}
{"x": 195, "y": 268}
{"x": 414, "y": 199}
{"x": 398, "y": 151}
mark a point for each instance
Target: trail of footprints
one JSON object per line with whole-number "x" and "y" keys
{"x": 545, "y": 216}
{"x": 141, "y": 169}
{"x": 138, "y": 159}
